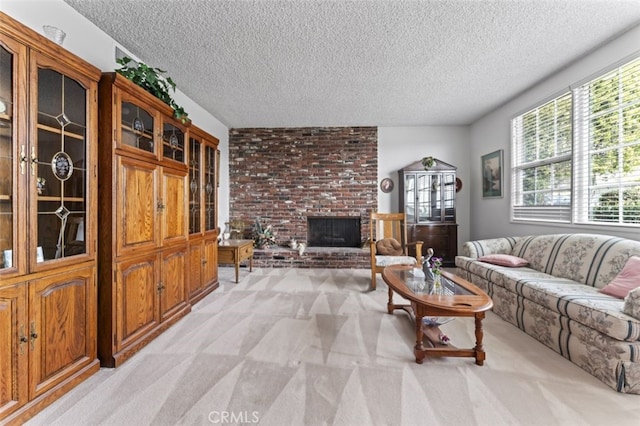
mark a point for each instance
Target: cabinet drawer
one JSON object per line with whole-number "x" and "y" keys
{"x": 246, "y": 251}
{"x": 226, "y": 255}
{"x": 425, "y": 231}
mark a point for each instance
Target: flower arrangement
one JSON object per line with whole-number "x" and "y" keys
{"x": 435, "y": 263}
{"x": 262, "y": 236}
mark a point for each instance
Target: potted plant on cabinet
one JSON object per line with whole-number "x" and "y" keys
{"x": 152, "y": 80}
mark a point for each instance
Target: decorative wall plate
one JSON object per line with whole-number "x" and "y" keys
{"x": 137, "y": 125}
{"x": 62, "y": 166}
{"x": 173, "y": 141}
{"x": 386, "y": 185}
{"x": 458, "y": 184}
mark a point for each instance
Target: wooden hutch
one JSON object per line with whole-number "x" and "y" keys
{"x": 158, "y": 216}
{"x": 48, "y": 196}
{"x": 428, "y": 197}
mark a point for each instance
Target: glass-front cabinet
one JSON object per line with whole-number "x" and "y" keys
{"x": 211, "y": 155}
{"x": 203, "y": 232}
{"x": 58, "y": 167}
{"x": 428, "y": 198}
{"x": 157, "y": 241}
{"x": 44, "y": 181}
{"x": 48, "y": 199}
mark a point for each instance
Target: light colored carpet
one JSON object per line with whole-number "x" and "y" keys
{"x": 314, "y": 347}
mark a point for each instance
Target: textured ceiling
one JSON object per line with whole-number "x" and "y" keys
{"x": 338, "y": 63}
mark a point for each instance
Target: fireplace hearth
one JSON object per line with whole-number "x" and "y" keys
{"x": 323, "y": 231}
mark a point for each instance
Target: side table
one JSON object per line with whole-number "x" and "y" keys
{"x": 235, "y": 251}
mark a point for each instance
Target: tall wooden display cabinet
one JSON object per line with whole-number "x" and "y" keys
{"x": 428, "y": 197}
{"x": 48, "y": 193}
{"x": 158, "y": 216}
{"x": 143, "y": 268}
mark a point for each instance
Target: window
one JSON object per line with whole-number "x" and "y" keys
{"x": 576, "y": 158}
{"x": 542, "y": 162}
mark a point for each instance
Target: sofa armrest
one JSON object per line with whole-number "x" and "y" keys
{"x": 478, "y": 248}
{"x": 632, "y": 303}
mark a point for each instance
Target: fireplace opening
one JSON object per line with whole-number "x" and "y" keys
{"x": 325, "y": 231}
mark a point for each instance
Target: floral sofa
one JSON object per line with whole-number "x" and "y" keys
{"x": 556, "y": 298}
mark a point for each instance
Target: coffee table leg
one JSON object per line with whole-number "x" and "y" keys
{"x": 479, "y": 351}
{"x": 419, "y": 351}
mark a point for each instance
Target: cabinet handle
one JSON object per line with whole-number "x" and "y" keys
{"x": 23, "y": 159}
{"x": 160, "y": 205}
{"x": 204, "y": 261}
{"x": 23, "y": 339}
{"x": 33, "y": 335}
{"x": 160, "y": 287}
{"x": 34, "y": 161}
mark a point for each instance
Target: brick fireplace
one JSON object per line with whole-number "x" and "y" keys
{"x": 284, "y": 176}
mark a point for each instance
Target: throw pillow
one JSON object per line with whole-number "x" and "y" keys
{"x": 632, "y": 303}
{"x": 389, "y": 247}
{"x": 504, "y": 260}
{"x": 626, "y": 280}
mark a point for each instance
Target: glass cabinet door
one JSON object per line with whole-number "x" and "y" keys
{"x": 173, "y": 142}
{"x": 435, "y": 197}
{"x": 136, "y": 126}
{"x": 58, "y": 161}
{"x": 449, "y": 198}
{"x": 195, "y": 191}
{"x": 210, "y": 165}
{"x": 410, "y": 197}
{"x": 424, "y": 198}
{"x": 7, "y": 162}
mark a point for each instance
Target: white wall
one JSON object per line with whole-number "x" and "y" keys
{"x": 491, "y": 217}
{"x": 90, "y": 43}
{"x": 401, "y": 146}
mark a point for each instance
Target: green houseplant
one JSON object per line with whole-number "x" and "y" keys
{"x": 263, "y": 236}
{"x": 152, "y": 80}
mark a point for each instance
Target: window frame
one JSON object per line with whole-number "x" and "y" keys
{"x": 578, "y": 211}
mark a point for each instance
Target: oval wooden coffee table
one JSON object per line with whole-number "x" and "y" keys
{"x": 458, "y": 298}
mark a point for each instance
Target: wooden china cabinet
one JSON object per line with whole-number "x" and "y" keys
{"x": 203, "y": 232}
{"x": 428, "y": 197}
{"x": 48, "y": 193}
{"x": 143, "y": 213}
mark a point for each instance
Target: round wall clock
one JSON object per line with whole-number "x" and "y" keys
{"x": 386, "y": 185}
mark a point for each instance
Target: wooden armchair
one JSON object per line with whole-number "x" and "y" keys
{"x": 388, "y": 243}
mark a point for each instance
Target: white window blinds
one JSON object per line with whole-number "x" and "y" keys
{"x": 576, "y": 158}
{"x": 541, "y": 162}
{"x": 607, "y": 154}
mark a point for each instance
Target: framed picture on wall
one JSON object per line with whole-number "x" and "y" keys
{"x": 492, "y": 174}
{"x": 386, "y": 185}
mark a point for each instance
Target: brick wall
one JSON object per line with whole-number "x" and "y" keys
{"x": 283, "y": 175}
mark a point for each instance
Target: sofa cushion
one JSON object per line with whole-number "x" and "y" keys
{"x": 632, "y": 303}
{"x": 626, "y": 280}
{"x": 504, "y": 260}
{"x": 490, "y": 246}
{"x": 389, "y": 247}
{"x": 395, "y": 260}
{"x": 583, "y": 304}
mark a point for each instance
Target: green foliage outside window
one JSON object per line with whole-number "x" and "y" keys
{"x": 547, "y": 138}
{"x": 608, "y": 207}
